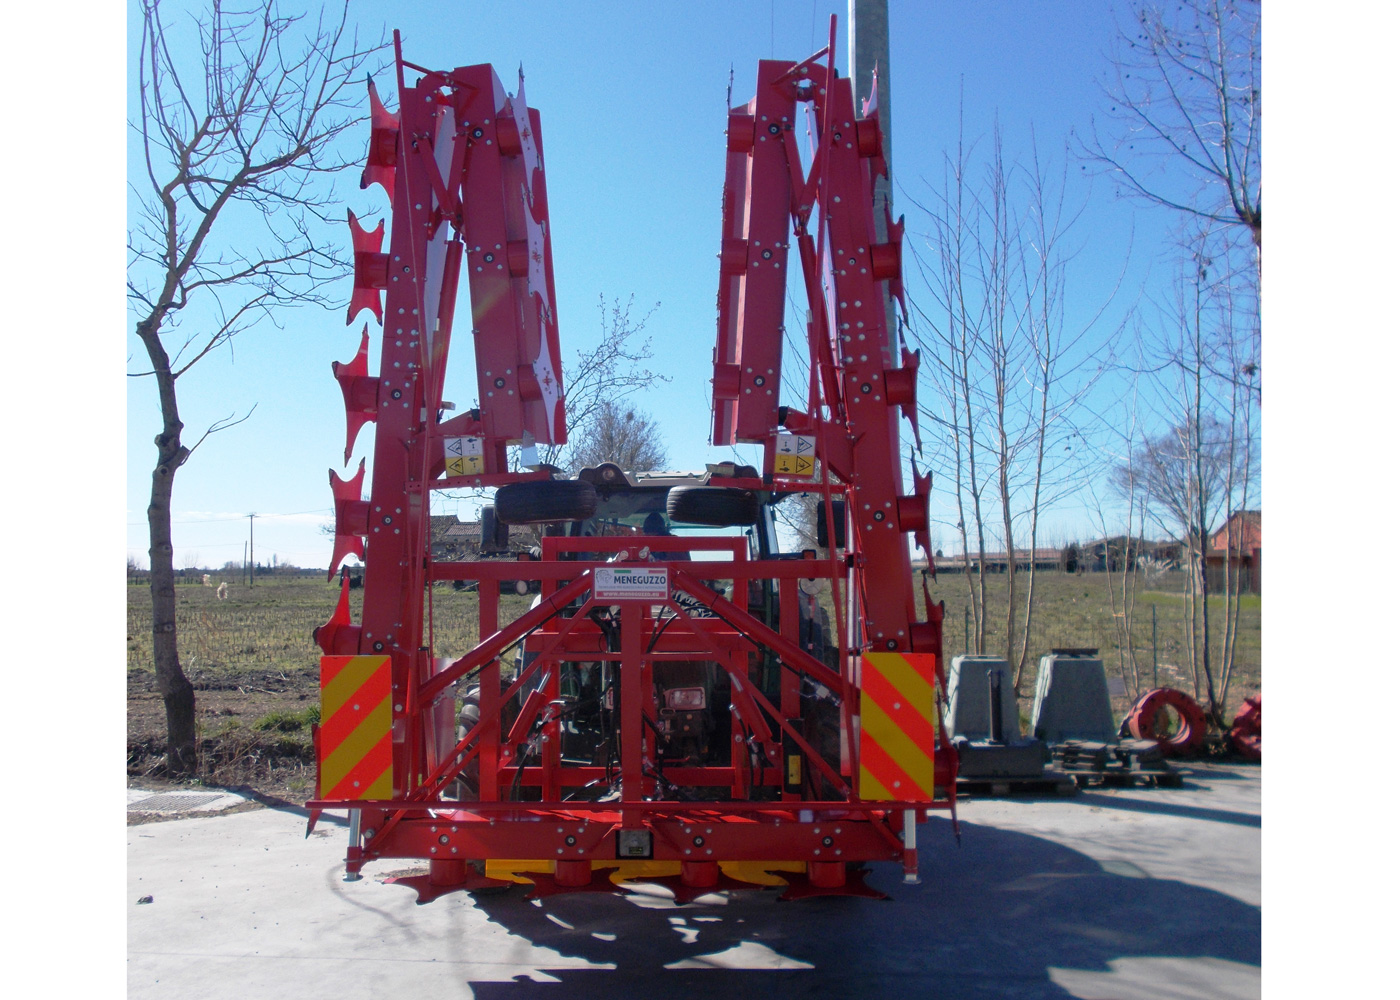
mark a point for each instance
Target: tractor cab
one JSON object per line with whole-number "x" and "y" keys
{"x": 667, "y": 518}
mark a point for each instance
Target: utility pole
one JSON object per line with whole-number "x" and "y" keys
{"x": 252, "y": 566}
{"x": 868, "y": 51}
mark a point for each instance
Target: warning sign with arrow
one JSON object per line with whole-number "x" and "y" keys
{"x": 463, "y": 456}
{"x": 796, "y": 455}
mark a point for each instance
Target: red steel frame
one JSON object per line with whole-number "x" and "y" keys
{"x": 463, "y": 162}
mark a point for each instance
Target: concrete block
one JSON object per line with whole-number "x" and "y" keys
{"x": 1071, "y": 701}
{"x": 968, "y": 698}
{"x": 1024, "y": 758}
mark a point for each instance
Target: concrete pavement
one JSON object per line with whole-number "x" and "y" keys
{"x": 1148, "y": 894}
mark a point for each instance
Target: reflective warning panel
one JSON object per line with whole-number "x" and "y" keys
{"x": 463, "y": 456}
{"x": 896, "y": 727}
{"x": 795, "y": 455}
{"x": 356, "y": 755}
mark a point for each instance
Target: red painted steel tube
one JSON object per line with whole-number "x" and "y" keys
{"x": 490, "y": 648}
{"x": 743, "y": 690}
{"x": 793, "y": 655}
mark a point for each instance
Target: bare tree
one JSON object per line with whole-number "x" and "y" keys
{"x": 1186, "y": 104}
{"x": 1122, "y": 553}
{"x": 1193, "y": 473}
{"x": 1243, "y": 394}
{"x": 1009, "y": 372}
{"x": 622, "y": 435}
{"x": 607, "y": 374}
{"x": 240, "y": 115}
{"x": 1184, "y": 471}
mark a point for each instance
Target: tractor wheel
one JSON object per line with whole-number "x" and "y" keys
{"x": 716, "y": 506}
{"x": 546, "y": 500}
{"x": 495, "y": 533}
{"x": 838, "y": 517}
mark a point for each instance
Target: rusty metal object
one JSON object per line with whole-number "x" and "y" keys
{"x": 1146, "y": 722}
{"x": 1247, "y": 727}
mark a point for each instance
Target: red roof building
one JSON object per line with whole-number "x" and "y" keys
{"x": 1238, "y": 544}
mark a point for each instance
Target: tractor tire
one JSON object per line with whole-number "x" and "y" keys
{"x": 838, "y": 517}
{"x": 495, "y": 533}
{"x": 714, "y": 506}
{"x": 547, "y": 500}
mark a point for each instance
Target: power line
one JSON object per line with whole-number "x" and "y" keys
{"x": 240, "y": 517}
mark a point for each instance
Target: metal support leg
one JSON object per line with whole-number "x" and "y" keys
{"x": 353, "y": 857}
{"x": 911, "y": 850}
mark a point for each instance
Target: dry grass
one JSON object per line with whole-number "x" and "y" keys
{"x": 1076, "y": 611}
{"x": 255, "y": 667}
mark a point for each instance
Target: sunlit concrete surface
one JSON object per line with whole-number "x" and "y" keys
{"x": 1148, "y": 894}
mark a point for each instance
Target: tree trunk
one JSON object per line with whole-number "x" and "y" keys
{"x": 171, "y": 682}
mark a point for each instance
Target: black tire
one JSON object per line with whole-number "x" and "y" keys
{"x": 546, "y": 500}
{"x": 838, "y": 517}
{"x": 714, "y": 506}
{"x": 495, "y": 533}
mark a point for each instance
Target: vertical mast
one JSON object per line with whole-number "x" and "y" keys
{"x": 868, "y": 52}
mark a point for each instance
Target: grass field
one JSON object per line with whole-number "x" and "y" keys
{"x": 256, "y": 670}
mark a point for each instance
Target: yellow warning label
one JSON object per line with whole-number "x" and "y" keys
{"x": 794, "y": 769}
{"x": 795, "y": 455}
{"x": 794, "y": 465}
{"x": 465, "y": 466}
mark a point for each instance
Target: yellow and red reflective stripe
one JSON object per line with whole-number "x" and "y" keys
{"x": 356, "y": 754}
{"x": 897, "y": 727}
{"x": 881, "y": 777}
{"x": 908, "y": 705}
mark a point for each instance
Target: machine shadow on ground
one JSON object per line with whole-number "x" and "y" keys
{"x": 991, "y": 919}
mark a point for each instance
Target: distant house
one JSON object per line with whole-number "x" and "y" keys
{"x": 1238, "y": 544}
{"x": 454, "y": 540}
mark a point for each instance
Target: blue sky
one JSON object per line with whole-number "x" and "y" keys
{"x": 633, "y": 103}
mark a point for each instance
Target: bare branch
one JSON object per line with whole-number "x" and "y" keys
{"x": 1185, "y": 92}
{"x": 220, "y": 425}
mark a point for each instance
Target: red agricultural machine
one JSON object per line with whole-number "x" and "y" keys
{"x": 675, "y": 707}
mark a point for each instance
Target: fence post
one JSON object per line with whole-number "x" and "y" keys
{"x": 1154, "y": 644}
